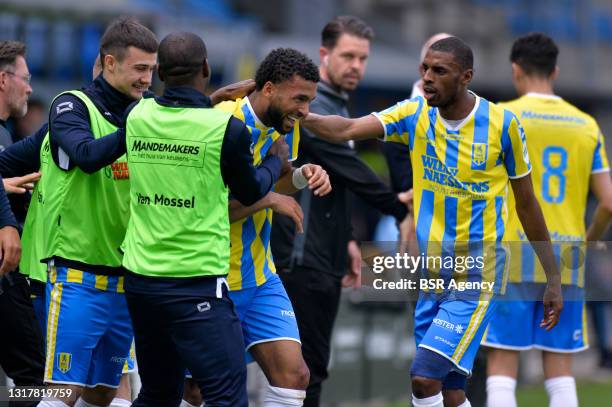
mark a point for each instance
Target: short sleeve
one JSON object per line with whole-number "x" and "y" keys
{"x": 399, "y": 121}
{"x": 514, "y": 144}
{"x": 600, "y": 158}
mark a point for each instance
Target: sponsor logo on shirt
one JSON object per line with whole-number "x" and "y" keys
{"x": 64, "y": 107}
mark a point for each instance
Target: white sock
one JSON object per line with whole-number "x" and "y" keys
{"x": 82, "y": 403}
{"x": 185, "y": 404}
{"x": 52, "y": 403}
{"x": 561, "y": 391}
{"x": 500, "y": 391}
{"x": 280, "y": 397}
{"x": 117, "y": 402}
{"x": 466, "y": 403}
{"x": 433, "y": 401}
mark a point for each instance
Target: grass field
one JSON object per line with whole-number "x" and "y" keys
{"x": 589, "y": 394}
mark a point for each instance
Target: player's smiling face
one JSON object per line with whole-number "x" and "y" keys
{"x": 443, "y": 78}
{"x": 289, "y": 102}
{"x": 132, "y": 75}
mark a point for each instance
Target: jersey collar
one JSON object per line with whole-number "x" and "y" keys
{"x": 258, "y": 122}
{"x": 542, "y": 95}
{"x": 461, "y": 122}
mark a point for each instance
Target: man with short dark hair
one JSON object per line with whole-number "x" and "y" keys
{"x": 313, "y": 265}
{"x": 85, "y": 192}
{"x": 177, "y": 244}
{"x": 568, "y": 154}
{"x": 21, "y": 341}
{"x": 33, "y": 153}
{"x": 464, "y": 152}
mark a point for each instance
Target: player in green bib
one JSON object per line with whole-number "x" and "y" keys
{"x": 85, "y": 211}
{"x": 184, "y": 156}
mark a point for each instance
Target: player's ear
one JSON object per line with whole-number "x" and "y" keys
{"x": 323, "y": 55}
{"x": 467, "y": 76}
{"x": 205, "y": 69}
{"x": 517, "y": 71}
{"x": 109, "y": 63}
{"x": 3, "y": 79}
{"x": 268, "y": 89}
{"x": 160, "y": 74}
{"x": 555, "y": 73}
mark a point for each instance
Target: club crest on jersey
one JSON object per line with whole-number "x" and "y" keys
{"x": 479, "y": 155}
{"x": 64, "y": 361}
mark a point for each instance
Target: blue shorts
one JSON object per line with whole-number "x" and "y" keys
{"x": 508, "y": 331}
{"x": 452, "y": 328}
{"x": 266, "y": 313}
{"x": 89, "y": 331}
{"x": 40, "y": 309}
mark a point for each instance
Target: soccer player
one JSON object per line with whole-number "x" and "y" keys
{"x": 33, "y": 152}
{"x": 85, "y": 198}
{"x": 24, "y": 157}
{"x": 285, "y": 83}
{"x": 464, "y": 151}
{"x": 567, "y": 152}
{"x": 313, "y": 265}
{"x": 184, "y": 156}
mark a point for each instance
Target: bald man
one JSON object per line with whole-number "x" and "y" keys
{"x": 176, "y": 247}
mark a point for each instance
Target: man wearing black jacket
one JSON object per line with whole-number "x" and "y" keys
{"x": 21, "y": 342}
{"x": 313, "y": 265}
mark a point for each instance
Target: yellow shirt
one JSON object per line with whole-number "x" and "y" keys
{"x": 460, "y": 179}
{"x": 251, "y": 262}
{"x": 566, "y": 147}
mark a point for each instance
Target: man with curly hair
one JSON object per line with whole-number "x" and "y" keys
{"x": 285, "y": 84}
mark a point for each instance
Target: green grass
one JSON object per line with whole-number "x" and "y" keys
{"x": 589, "y": 394}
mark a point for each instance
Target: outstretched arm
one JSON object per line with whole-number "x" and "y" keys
{"x": 232, "y": 91}
{"x": 338, "y": 129}
{"x": 23, "y": 157}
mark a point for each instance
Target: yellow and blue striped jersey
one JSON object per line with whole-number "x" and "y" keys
{"x": 251, "y": 262}
{"x": 461, "y": 173}
{"x": 566, "y": 147}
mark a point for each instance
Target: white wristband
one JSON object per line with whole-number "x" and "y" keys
{"x": 298, "y": 179}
